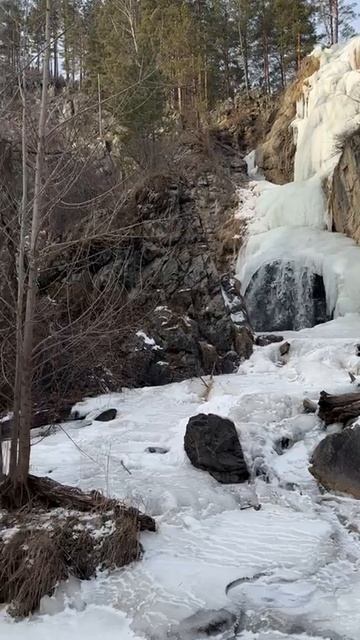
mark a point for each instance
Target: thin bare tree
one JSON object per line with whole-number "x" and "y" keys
{"x": 20, "y": 445}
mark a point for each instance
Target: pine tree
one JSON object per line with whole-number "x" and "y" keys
{"x": 294, "y": 35}
{"x": 121, "y": 57}
{"x": 336, "y": 18}
{"x": 10, "y": 34}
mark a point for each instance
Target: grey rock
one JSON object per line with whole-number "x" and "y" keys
{"x": 284, "y": 348}
{"x": 335, "y": 462}
{"x": 309, "y": 406}
{"x": 161, "y": 450}
{"x": 212, "y": 444}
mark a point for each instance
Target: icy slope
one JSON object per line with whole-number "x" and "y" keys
{"x": 328, "y": 109}
{"x": 289, "y": 222}
{"x": 299, "y": 555}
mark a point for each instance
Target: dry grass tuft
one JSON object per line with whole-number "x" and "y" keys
{"x": 122, "y": 546}
{"x": 42, "y": 546}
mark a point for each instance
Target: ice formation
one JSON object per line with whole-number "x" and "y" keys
{"x": 299, "y": 563}
{"x": 328, "y": 110}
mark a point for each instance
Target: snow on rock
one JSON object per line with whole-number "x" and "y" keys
{"x": 328, "y": 110}
{"x": 150, "y": 342}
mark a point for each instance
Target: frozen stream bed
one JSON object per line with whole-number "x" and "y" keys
{"x": 299, "y": 554}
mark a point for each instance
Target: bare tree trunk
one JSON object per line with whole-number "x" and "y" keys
{"x": 298, "y": 51}
{"x": 56, "y": 58}
{"x": 2, "y": 469}
{"x": 22, "y": 469}
{"x": 282, "y": 70}
{"x": 266, "y": 64}
{"x": 244, "y": 56}
{"x": 20, "y": 269}
{"x": 335, "y": 20}
{"x": 331, "y": 21}
{"x": 99, "y": 108}
{"x": 179, "y": 95}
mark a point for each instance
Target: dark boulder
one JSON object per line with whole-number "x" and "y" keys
{"x": 212, "y": 444}
{"x": 230, "y": 362}
{"x": 335, "y": 462}
{"x": 161, "y": 450}
{"x": 106, "y": 416}
{"x": 204, "y": 623}
{"x": 284, "y": 348}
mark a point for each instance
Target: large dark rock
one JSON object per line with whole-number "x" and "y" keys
{"x": 212, "y": 444}
{"x": 336, "y": 461}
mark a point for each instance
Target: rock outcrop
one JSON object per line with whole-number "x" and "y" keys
{"x": 344, "y": 190}
{"x": 212, "y": 444}
{"x": 130, "y": 283}
{"x": 336, "y": 462}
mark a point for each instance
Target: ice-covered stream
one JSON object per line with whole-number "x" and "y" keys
{"x": 300, "y": 553}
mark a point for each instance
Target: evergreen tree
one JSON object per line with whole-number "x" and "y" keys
{"x": 336, "y": 18}
{"x": 122, "y": 61}
{"x": 10, "y": 34}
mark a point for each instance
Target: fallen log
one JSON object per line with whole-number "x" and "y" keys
{"x": 338, "y": 408}
{"x": 41, "y": 418}
{"x": 45, "y": 492}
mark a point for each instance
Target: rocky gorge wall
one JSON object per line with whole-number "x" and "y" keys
{"x": 344, "y": 190}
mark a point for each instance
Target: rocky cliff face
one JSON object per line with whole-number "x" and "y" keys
{"x": 344, "y": 190}
{"x": 138, "y": 290}
{"x": 195, "y": 322}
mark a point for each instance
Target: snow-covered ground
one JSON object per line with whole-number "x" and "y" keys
{"x": 300, "y": 552}
{"x": 297, "y": 559}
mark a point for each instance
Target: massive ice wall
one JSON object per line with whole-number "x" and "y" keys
{"x": 291, "y": 221}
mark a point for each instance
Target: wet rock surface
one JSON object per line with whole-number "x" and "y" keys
{"x": 283, "y": 296}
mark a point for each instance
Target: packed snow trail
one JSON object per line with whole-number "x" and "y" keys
{"x": 304, "y": 544}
